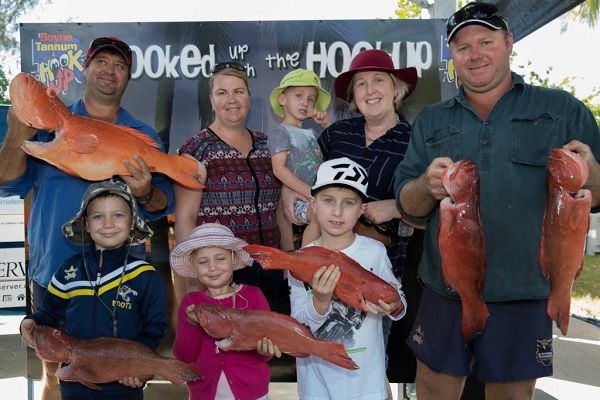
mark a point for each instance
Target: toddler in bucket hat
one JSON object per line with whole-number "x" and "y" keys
{"x": 300, "y": 78}
{"x": 295, "y": 153}
{"x": 75, "y": 229}
{"x": 208, "y": 235}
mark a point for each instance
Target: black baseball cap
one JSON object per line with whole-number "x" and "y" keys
{"x": 483, "y": 14}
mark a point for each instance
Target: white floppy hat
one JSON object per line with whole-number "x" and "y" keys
{"x": 342, "y": 172}
{"x": 208, "y": 235}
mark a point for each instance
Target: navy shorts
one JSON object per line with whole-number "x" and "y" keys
{"x": 515, "y": 345}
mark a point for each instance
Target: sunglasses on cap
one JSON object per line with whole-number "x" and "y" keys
{"x": 229, "y": 64}
{"x": 110, "y": 41}
{"x": 484, "y": 12}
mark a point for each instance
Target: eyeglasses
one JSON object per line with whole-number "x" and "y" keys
{"x": 474, "y": 11}
{"x": 229, "y": 64}
{"x": 389, "y": 228}
{"x": 110, "y": 41}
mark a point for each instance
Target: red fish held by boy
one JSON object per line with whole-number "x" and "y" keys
{"x": 462, "y": 244}
{"x": 564, "y": 230}
{"x": 242, "y": 329}
{"x": 356, "y": 286}
{"x": 86, "y": 147}
{"x": 106, "y": 359}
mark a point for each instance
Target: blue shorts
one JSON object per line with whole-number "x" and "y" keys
{"x": 515, "y": 345}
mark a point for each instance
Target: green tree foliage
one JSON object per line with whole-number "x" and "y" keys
{"x": 3, "y": 88}
{"x": 10, "y": 10}
{"x": 587, "y": 12}
{"x": 407, "y": 10}
{"x": 591, "y": 101}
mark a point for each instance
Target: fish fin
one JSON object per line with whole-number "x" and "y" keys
{"x": 473, "y": 318}
{"x": 224, "y": 343}
{"x": 299, "y": 355}
{"x": 262, "y": 254}
{"x": 140, "y": 135}
{"x": 559, "y": 311}
{"x": 91, "y": 385}
{"x": 178, "y": 372}
{"x": 82, "y": 143}
{"x": 335, "y": 353}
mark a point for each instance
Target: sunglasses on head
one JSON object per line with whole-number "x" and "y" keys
{"x": 109, "y": 41}
{"x": 229, "y": 64}
{"x": 480, "y": 11}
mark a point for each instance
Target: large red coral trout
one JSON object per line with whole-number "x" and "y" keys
{"x": 564, "y": 230}
{"x": 356, "y": 286}
{"x": 462, "y": 244}
{"x": 89, "y": 148}
{"x": 242, "y": 329}
{"x": 104, "y": 360}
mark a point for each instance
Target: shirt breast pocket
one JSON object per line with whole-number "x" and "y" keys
{"x": 444, "y": 142}
{"x": 533, "y": 136}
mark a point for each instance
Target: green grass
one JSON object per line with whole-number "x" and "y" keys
{"x": 588, "y": 282}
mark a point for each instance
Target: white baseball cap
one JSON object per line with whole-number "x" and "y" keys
{"x": 342, "y": 172}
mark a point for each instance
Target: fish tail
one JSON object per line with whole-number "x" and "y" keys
{"x": 559, "y": 310}
{"x": 335, "y": 353}
{"x": 474, "y": 316}
{"x": 265, "y": 255}
{"x": 178, "y": 372}
{"x": 183, "y": 170}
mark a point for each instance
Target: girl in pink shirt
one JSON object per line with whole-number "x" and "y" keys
{"x": 210, "y": 255}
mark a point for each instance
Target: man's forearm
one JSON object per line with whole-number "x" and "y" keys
{"x": 13, "y": 159}
{"x": 415, "y": 199}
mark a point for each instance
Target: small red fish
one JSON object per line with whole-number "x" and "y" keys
{"x": 242, "y": 329}
{"x": 462, "y": 245}
{"x": 105, "y": 360}
{"x": 564, "y": 230}
{"x": 355, "y": 287}
{"x": 89, "y": 148}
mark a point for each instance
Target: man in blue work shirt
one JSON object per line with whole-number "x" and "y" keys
{"x": 55, "y": 195}
{"x": 507, "y": 128}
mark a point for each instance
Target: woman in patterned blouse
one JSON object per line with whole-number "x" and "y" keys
{"x": 241, "y": 190}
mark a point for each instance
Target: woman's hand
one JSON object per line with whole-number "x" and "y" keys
{"x": 288, "y": 198}
{"x": 381, "y": 211}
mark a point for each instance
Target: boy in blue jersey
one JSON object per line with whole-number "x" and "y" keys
{"x": 104, "y": 291}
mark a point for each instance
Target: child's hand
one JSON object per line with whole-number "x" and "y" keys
{"x": 131, "y": 381}
{"x": 26, "y": 329}
{"x": 321, "y": 118}
{"x": 266, "y": 347}
{"x": 384, "y": 308}
{"x": 190, "y": 313}
{"x": 323, "y": 284}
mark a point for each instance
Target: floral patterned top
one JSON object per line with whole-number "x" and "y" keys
{"x": 241, "y": 192}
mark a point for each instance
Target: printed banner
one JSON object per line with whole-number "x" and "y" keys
{"x": 172, "y": 61}
{"x": 12, "y": 277}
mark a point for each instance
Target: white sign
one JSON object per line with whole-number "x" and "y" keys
{"x": 12, "y": 277}
{"x": 12, "y": 252}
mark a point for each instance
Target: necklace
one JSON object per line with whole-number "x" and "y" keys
{"x": 371, "y": 139}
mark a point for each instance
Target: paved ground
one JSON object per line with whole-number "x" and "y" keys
{"x": 576, "y": 368}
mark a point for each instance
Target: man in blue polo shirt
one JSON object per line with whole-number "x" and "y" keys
{"x": 55, "y": 195}
{"x": 507, "y": 128}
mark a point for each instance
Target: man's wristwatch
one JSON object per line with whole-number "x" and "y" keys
{"x": 145, "y": 199}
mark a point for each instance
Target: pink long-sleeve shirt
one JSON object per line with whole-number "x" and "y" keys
{"x": 247, "y": 372}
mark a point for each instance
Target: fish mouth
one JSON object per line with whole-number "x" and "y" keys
{"x": 32, "y": 147}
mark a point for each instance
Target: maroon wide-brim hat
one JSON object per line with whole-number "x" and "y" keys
{"x": 374, "y": 60}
